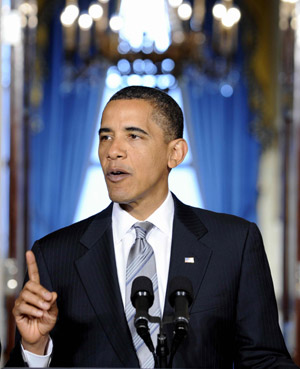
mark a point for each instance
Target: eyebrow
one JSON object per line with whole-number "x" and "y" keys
{"x": 101, "y": 130}
{"x": 136, "y": 129}
{"x": 128, "y": 129}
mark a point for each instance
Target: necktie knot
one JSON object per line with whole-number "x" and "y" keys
{"x": 142, "y": 228}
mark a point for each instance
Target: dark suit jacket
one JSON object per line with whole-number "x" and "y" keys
{"x": 233, "y": 318}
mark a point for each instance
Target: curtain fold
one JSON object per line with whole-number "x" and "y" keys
{"x": 225, "y": 151}
{"x": 60, "y": 152}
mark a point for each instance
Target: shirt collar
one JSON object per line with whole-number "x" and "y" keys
{"x": 162, "y": 218}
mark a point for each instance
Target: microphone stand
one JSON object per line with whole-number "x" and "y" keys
{"x": 179, "y": 335}
{"x": 154, "y": 319}
{"x": 162, "y": 349}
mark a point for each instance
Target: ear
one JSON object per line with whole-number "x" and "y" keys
{"x": 177, "y": 151}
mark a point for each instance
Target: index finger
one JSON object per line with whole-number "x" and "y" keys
{"x": 33, "y": 271}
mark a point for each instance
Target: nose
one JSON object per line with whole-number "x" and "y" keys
{"x": 116, "y": 150}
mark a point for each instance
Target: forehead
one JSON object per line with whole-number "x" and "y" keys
{"x": 127, "y": 110}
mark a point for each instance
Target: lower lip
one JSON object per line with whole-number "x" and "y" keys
{"x": 117, "y": 178}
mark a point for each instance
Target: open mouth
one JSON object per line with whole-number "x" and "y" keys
{"x": 117, "y": 175}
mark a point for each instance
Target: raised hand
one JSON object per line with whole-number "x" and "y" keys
{"x": 35, "y": 310}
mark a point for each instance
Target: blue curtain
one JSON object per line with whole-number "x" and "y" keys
{"x": 60, "y": 151}
{"x": 225, "y": 151}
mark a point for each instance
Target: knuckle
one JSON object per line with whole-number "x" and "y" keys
{"x": 18, "y": 308}
{"x": 28, "y": 285}
{"x": 24, "y": 295}
{"x": 21, "y": 295}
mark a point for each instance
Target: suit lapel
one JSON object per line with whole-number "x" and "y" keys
{"x": 97, "y": 270}
{"x": 186, "y": 243}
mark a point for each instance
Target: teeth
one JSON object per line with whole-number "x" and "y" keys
{"x": 116, "y": 173}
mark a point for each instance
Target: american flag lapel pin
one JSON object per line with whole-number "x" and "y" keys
{"x": 189, "y": 260}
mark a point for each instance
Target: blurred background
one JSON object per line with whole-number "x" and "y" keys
{"x": 233, "y": 67}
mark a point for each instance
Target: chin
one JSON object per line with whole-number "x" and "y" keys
{"x": 120, "y": 198}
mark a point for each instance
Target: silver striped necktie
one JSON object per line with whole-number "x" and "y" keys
{"x": 141, "y": 262}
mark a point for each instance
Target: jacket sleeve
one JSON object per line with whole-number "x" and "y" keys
{"x": 15, "y": 359}
{"x": 259, "y": 341}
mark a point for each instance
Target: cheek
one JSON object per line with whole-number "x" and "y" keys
{"x": 153, "y": 164}
{"x": 159, "y": 157}
{"x": 101, "y": 154}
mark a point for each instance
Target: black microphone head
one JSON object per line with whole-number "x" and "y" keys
{"x": 142, "y": 285}
{"x": 181, "y": 284}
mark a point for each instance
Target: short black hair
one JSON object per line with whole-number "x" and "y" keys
{"x": 166, "y": 112}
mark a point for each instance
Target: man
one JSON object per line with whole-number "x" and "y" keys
{"x": 71, "y": 310}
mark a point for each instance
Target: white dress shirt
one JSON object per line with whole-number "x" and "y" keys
{"x": 160, "y": 238}
{"x": 38, "y": 361}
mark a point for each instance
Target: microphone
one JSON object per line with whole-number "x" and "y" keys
{"x": 142, "y": 298}
{"x": 181, "y": 297}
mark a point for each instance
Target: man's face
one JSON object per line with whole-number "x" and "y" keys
{"x": 134, "y": 156}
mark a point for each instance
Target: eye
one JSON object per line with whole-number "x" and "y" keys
{"x": 105, "y": 137}
{"x": 134, "y": 136}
